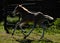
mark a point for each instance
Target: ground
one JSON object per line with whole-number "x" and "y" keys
{"x": 52, "y": 35}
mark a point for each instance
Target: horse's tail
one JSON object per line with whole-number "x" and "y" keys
{"x": 46, "y": 16}
{"x": 49, "y": 17}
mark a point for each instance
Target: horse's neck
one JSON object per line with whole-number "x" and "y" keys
{"x": 22, "y": 10}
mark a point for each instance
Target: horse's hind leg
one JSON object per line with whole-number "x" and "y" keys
{"x": 44, "y": 27}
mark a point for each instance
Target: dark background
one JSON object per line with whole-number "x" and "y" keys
{"x": 50, "y": 7}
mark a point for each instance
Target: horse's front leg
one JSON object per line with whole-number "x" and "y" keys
{"x": 15, "y": 27}
{"x": 21, "y": 24}
{"x": 34, "y": 25}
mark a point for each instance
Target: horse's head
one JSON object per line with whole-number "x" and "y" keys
{"x": 16, "y": 11}
{"x": 19, "y": 10}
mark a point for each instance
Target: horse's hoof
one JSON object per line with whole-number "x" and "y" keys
{"x": 12, "y": 34}
{"x": 25, "y": 37}
{"x": 7, "y": 32}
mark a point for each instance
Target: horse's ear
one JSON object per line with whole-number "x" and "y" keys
{"x": 20, "y": 6}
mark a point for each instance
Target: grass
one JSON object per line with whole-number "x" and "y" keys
{"x": 52, "y": 35}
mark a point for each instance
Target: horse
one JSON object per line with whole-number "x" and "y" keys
{"x": 29, "y": 16}
{"x": 26, "y": 14}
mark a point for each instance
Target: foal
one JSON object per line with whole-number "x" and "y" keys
{"x": 36, "y": 17}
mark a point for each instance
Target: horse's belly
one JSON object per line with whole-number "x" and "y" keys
{"x": 29, "y": 18}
